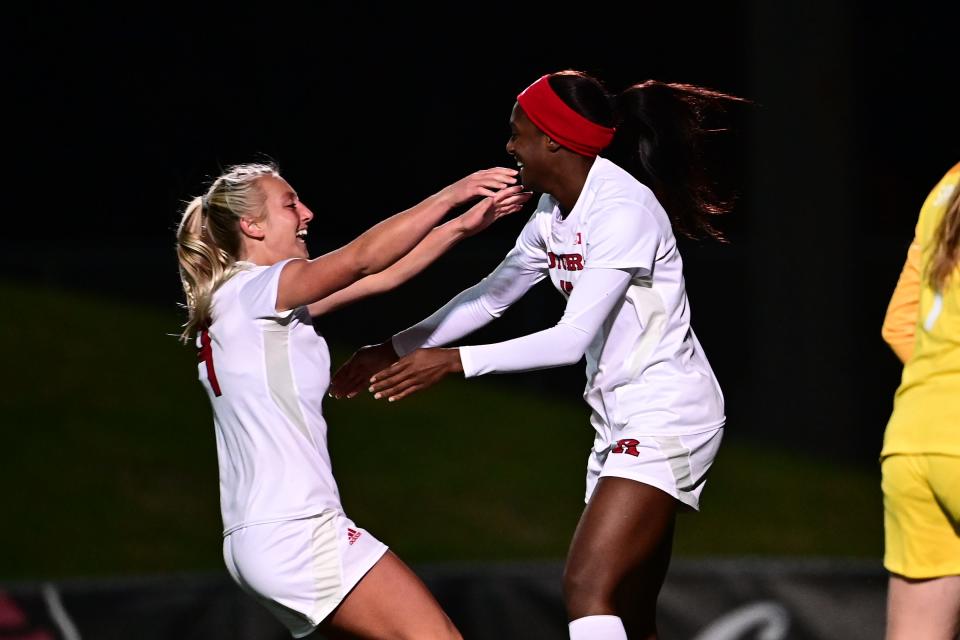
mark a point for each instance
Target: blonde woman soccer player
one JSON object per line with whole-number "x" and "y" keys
{"x": 251, "y": 290}
{"x": 921, "y": 446}
{"x": 603, "y": 233}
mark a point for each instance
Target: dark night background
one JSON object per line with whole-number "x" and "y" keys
{"x": 115, "y": 116}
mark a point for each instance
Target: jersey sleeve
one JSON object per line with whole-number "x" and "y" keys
{"x": 258, "y": 294}
{"x": 597, "y": 293}
{"x": 900, "y": 322}
{"x": 473, "y": 308}
{"x": 624, "y": 235}
{"x": 530, "y": 250}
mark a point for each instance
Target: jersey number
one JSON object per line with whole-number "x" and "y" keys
{"x": 206, "y": 356}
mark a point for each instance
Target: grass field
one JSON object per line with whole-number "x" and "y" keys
{"x": 108, "y": 462}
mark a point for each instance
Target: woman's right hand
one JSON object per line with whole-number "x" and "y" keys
{"x": 489, "y": 210}
{"x": 480, "y": 183}
{"x": 354, "y": 376}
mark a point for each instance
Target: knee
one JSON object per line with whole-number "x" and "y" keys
{"x": 586, "y": 591}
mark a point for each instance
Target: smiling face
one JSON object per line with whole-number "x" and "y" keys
{"x": 282, "y": 230}
{"x": 528, "y": 145}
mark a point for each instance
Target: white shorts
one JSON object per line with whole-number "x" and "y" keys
{"x": 677, "y": 465}
{"x": 301, "y": 569}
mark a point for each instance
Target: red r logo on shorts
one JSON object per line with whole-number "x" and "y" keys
{"x": 627, "y": 445}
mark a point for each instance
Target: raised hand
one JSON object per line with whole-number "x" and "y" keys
{"x": 480, "y": 183}
{"x": 490, "y": 209}
{"x": 415, "y": 371}
{"x": 354, "y": 376}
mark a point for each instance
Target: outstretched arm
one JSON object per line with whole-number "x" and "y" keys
{"x": 440, "y": 240}
{"x": 467, "y": 312}
{"x": 303, "y": 282}
{"x": 597, "y": 293}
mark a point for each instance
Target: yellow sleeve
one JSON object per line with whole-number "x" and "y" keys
{"x": 900, "y": 323}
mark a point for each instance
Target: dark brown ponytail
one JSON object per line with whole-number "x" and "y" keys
{"x": 660, "y": 134}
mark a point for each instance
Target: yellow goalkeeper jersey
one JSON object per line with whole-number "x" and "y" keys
{"x": 923, "y": 327}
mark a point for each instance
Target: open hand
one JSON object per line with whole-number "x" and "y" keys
{"x": 415, "y": 371}
{"x": 490, "y": 209}
{"x": 354, "y": 376}
{"x": 480, "y": 183}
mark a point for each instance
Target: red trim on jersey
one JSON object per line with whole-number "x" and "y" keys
{"x": 565, "y": 126}
{"x": 206, "y": 356}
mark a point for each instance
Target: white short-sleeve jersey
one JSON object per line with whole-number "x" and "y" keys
{"x": 646, "y": 369}
{"x": 266, "y": 374}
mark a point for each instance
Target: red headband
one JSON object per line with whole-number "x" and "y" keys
{"x": 565, "y": 126}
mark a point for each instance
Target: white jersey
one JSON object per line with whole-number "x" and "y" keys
{"x": 645, "y": 368}
{"x": 266, "y": 374}
{"x": 646, "y": 371}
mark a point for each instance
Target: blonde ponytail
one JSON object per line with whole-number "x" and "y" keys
{"x": 208, "y": 238}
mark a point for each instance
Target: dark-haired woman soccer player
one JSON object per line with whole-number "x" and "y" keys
{"x": 603, "y": 233}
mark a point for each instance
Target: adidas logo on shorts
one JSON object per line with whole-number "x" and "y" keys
{"x": 352, "y": 535}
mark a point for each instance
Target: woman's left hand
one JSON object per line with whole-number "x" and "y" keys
{"x": 415, "y": 371}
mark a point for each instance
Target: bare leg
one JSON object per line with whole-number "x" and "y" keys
{"x": 619, "y": 555}
{"x": 390, "y": 603}
{"x": 923, "y": 609}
